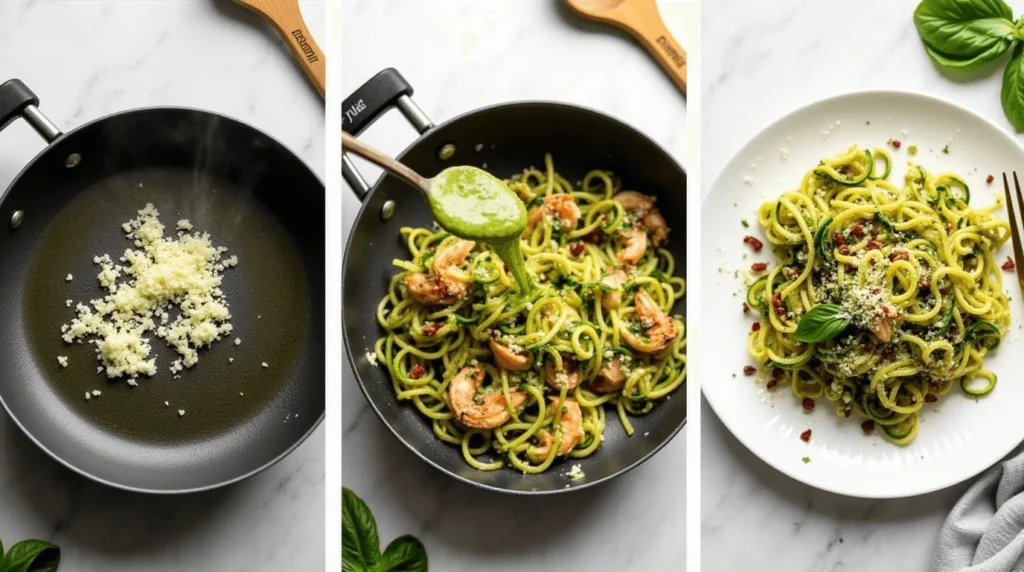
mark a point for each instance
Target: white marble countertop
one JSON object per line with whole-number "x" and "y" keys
{"x": 86, "y": 59}
{"x": 460, "y": 55}
{"x": 763, "y": 60}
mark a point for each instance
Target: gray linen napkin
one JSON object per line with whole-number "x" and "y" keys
{"x": 985, "y": 531}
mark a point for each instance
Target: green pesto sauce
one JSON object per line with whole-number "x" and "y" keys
{"x": 475, "y": 205}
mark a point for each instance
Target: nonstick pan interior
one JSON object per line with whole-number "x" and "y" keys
{"x": 504, "y": 140}
{"x": 252, "y": 196}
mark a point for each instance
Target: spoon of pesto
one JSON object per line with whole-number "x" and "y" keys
{"x": 467, "y": 202}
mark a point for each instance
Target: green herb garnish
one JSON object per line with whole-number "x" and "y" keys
{"x": 360, "y": 544}
{"x": 745, "y": 223}
{"x": 30, "y": 556}
{"x": 822, "y": 322}
{"x": 968, "y": 34}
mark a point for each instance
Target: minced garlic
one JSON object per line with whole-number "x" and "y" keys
{"x": 159, "y": 275}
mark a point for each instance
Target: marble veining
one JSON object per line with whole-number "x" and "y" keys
{"x": 460, "y": 55}
{"x": 762, "y": 60}
{"x": 85, "y": 59}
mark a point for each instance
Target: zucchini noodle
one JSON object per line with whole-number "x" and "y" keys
{"x": 910, "y": 273}
{"x": 561, "y": 323}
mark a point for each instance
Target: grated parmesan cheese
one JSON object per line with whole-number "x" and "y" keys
{"x": 62, "y": 360}
{"x": 160, "y": 275}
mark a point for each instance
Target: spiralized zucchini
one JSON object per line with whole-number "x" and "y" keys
{"x": 914, "y": 269}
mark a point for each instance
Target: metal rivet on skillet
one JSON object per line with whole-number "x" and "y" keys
{"x": 388, "y": 210}
{"x": 16, "y": 219}
{"x": 72, "y": 161}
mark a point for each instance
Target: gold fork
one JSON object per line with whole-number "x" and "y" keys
{"x": 1015, "y": 208}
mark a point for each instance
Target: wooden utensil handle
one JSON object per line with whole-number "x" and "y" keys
{"x": 287, "y": 18}
{"x": 384, "y": 161}
{"x": 650, "y": 30}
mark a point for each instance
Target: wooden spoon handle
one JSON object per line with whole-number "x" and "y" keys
{"x": 287, "y": 18}
{"x": 641, "y": 18}
{"x": 384, "y": 161}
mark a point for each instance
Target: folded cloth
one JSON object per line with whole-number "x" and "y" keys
{"x": 985, "y": 531}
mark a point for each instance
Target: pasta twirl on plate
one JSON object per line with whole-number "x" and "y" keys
{"x": 883, "y": 297}
{"x": 524, "y": 378}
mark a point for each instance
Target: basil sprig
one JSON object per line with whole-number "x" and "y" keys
{"x": 360, "y": 544}
{"x": 30, "y": 556}
{"x": 967, "y": 34}
{"x": 822, "y": 322}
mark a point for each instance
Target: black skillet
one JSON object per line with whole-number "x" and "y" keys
{"x": 253, "y": 196}
{"x": 510, "y": 137}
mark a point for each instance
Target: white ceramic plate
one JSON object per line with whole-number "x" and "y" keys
{"x": 959, "y": 436}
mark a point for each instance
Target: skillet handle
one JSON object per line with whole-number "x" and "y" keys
{"x": 367, "y": 104}
{"x": 17, "y": 100}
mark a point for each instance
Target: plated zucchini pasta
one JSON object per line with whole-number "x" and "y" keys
{"x": 883, "y": 297}
{"x": 522, "y": 378}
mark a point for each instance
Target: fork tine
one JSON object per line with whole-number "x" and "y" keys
{"x": 1015, "y": 210}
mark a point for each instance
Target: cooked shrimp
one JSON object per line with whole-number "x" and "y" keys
{"x": 650, "y": 218}
{"x": 567, "y": 377}
{"x": 634, "y": 245}
{"x": 572, "y": 431}
{"x": 442, "y": 286}
{"x": 658, "y": 329}
{"x": 612, "y": 300}
{"x": 509, "y": 360}
{"x": 610, "y": 378}
{"x": 479, "y": 410}
{"x": 563, "y": 207}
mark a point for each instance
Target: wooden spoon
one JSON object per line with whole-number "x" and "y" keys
{"x": 385, "y": 161}
{"x": 641, "y": 19}
{"x": 286, "y": 16}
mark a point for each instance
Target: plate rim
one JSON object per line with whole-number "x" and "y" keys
{"x": 707, "y": 199}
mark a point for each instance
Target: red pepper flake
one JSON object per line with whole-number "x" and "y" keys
{"x": 759, "y": 266}
{"x": 746, "y": 308}
{"x": 806, "y": 436}
{"x": 857, "y": 231}
{"x": 844, "y": 250}
{"x": 749, "y": 370}
{"x": 1008, "y": 265}
{"x": 899, "y": 255}
{"x": 935, "y": 386}
{"x": 771, "y": 384}
{"x": 868, "y": 427}
{"x": 756, "y": 327}
{"x": 753, "y": 242}
{"x": 949, "y": 228}
{"x": 431, "y": 328}
{"x": 777, "y": 374}
{"x": 808, "y": 404}
{"x": 930, "y": 398}
{"x": 896, "y": 143}
{"x": 924, "y": 284}
{"x": 792, "y": 272}
{"x": 838, "y": 238}
{"x": 594, "y": 236}
{"x": 417, "y": 371}
{"x": 576, "y": 248}
{"x": 874, "y": 245}
{"x": 989, "y": 179}
{"x": 780, "y": 308}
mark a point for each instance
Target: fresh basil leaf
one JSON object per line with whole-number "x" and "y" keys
{"x": 1013, "y": 90}
{"x": 360, "y": 545}
{"x": 822, "y": 322}
{"x": 965, "y": 34}
{"x": 404, "y": 554}
{"x": 31, "y": 556}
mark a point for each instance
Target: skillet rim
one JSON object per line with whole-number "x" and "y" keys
{"x": 349, "y": 244}
{"x": 153, "y": 491}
